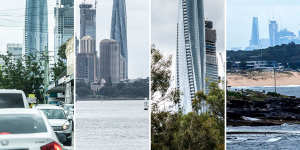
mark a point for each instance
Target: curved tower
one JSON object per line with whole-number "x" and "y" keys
{"x": 191, "y": 57}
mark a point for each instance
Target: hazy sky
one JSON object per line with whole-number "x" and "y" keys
{"x": 137, "y": 32}
{"x": 12, "y": 16}
{"x": 164, "y": 20}
{"x": 240, "y": 13}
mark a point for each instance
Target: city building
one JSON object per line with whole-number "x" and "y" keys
{"x": 110, "y": 58}
{"x": 254, "y": 42}
{"x": 191, "y": 51}
{"x": 119, "y": 31}
{"x": 211, "y": 55}
{"x": 36, "y": 27}
{"x": 87, "y": 20}
{"x": 86, "y": 60}
{"x": 285, "y": 36}
{"x": 273, "y": 33}
{"x": 14, "y": 49}
{"x": 64, "y": 24}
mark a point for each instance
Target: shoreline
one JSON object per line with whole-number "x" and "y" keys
{"x": 261, "y": 79}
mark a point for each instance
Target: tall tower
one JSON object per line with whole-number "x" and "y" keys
{"x": 255, "y": 33}
{"x": 64, "y": 24}
{"x": 191, "y": 52}
{"x": 36, "y": 27}
{"x": 87, "y": 20}
{"x": 273, "y": 33}
{"x": 119, "y": 31}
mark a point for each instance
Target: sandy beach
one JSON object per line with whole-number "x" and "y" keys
{"x": 263, "y": 79}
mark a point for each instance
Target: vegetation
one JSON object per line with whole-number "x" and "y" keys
{"x": 287, "y": 54}
{"x": 60, "y": 68}
{"x": 23, "y": 74}
{"x": 174, "y": 130}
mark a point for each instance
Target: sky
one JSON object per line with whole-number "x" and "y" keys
{"x": 240, "y": 13}
{"x": 138, "y": 31}
{"x": 12, "y": 16}
{"x": 164, "y": 20}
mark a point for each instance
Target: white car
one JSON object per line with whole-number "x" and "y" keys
{"x": 10, "y": 98}
{"x": 26, "y": 129}
{"x": 58, "y": 120}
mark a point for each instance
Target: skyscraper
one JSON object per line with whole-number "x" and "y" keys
{"x": 36, "y": 27}
{"x": 254, "y": 42}
{"x": 87, "y": 20}
{"x": 64, "y": 23}
{"x": 191, "y": 51}
{"x": 110, "y": 57}
{"x": 273, "y": 33}
{"x": 119, "y": 31}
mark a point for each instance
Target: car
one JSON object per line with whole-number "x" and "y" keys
{"x": 11, "y": 98}
{"x": 26, "y": 129}
{"x": 58, "y": 120}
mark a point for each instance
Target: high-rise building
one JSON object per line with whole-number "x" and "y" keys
{"x": 64, "y": 24}
{"x": 191, "y": 51}
{"x": 87, "y": 20}
{"x": 273, "y": 33}
{"x": 36, "y": 27}
{"x": 254, "y": 42}
{"x": 119, "y": 31}
{"x": 110, "y": 57}
{"x": 14, "y": 49}
{"x": 211, "y": 56}
{"x": 86, "y": 60}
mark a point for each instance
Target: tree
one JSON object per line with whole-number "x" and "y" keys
{"x": 60, "y": 68}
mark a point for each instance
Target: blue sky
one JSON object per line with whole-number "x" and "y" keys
{"x": 240, "y": 13}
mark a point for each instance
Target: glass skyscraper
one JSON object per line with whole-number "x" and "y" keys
{"x": 36, "y": 27}
{"x": 273, "y": 33}
{"x": 254, "y": 42}
{"x": 191, "y": 51}
{"x": 87, "y": 20}
{"x": 119, "y": 31}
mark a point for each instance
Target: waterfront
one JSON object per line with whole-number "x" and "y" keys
{"x": 112, "y": 125}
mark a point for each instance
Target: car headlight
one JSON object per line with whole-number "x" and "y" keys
{"x": 66, "y": 126}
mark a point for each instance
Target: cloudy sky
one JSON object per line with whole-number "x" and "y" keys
{"x": 137, "y": 32}
{"x": 164, "y": 19}
{"x": 240, "y": 13}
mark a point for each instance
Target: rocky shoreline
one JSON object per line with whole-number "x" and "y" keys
{"x": 251, "y": 108}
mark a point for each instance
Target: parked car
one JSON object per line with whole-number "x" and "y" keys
{"x": 10, "y": 98}
{"x": 26, "y": 129}
{"x": 58, "y": 120}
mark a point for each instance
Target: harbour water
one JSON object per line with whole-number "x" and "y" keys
{"x": 287, "y": 136}
{"x": 112, "y": 125}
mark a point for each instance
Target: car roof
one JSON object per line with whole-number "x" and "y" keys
{"x": 47, "y": 106}
{"x": 10, "y": 91}
{"x": 19, "y": 111}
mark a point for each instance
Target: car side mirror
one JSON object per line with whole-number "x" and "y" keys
{"x": 61, "y": 137}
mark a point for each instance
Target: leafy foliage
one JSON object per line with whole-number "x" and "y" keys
{"x": 60, "y": 68}
{"x": 23, "y": 74}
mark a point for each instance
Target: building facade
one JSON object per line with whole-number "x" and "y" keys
{"x": 119, "y": 31}
{"x": 36, "y": 27}
{"x": 254, "y": 42}
{"x": 273, "y": 33}
{"x": 191, "y": 51}
{"x": 87, "y": 20}
{"x": 14, "y": 49}
{"x": 110, "y": 58}
{"x": 64, "y": 24}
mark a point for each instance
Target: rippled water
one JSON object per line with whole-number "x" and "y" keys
{"x": 111, "y": 125}
{"x": 289, "y": 140}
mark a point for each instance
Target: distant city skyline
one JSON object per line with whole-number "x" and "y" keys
{"x": 240, "y": 14}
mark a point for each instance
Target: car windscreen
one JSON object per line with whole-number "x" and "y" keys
{"x": 54, "y": 113}
{"x": 11, "y": 100}
{"x": 21, "y": 124}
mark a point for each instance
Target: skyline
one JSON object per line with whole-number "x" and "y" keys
{"x": 137, "y": 32}
{"x": 240, "y": 14}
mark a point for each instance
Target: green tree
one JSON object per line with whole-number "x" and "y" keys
{"x": 60, "y": 68}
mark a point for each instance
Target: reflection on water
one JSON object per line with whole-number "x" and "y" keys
{"x": 111, "y": 125}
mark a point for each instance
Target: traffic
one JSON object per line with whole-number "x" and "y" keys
{"x": 24, "y": 126}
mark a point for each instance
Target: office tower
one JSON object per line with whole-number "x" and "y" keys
{"x": 285, "y": 36}
{"x": 211, "y": 57}
{"x": 36, "y": 27}
{"x": 87, "y": 20}
{"x": 119, "y": 31}
{"x": 273, "y": 33}
{"x": 64, "y": 24}
{"x": 254, "y": 42}
{"x": 110, "y": 55}
{"x": 191, "y": 51}
{"x": 14, "y": 49}
{"x": 86, "y": 60}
